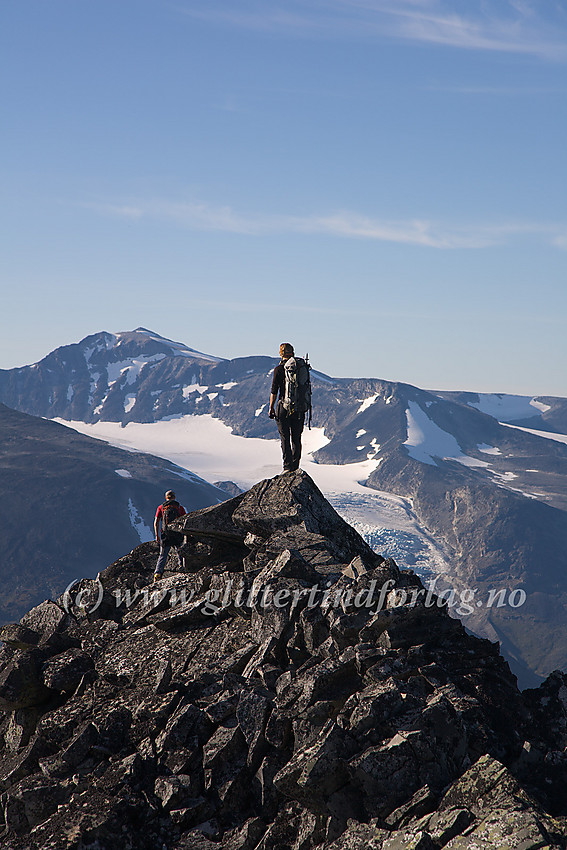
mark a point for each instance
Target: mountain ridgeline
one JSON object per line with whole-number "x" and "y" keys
{"x": 292, "y": 690}
{"x": 494, "y": 495}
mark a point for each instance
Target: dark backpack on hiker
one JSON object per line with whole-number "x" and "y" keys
{"x": 297, "y": 391}
{"x": 170, "y": 513}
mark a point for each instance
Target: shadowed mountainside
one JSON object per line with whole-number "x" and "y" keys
{"x": 71, "y": 503}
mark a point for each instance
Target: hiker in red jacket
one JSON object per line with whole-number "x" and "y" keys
{"x": 166, "y": 514}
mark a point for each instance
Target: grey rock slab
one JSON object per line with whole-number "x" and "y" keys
{"x": 17, "y": 636}
{"x": 509, "y": 830}
{"x": 316, "y": 771}
{"x": 63, "y": 763}
{"x": 226, "y": 745}
{"x": 278, "y": 730}
{"x": 388, "y": 774}
{"x": 21, "y": 726}
{"x": 194, "y": 613}
{"x": 187, "y": 722}
{"x": 21, "y": 684}
{"x": 245, "y": 837}
{"x": 214, "y": 522}
{"x": 221, "y": 709}
{"x": 23, "y": 763}
{"x": 174, "y": 792}
{"x": 237, "y": 661}
{"x": 64, "y": 672}
{"x": 288, "y": 564}
{"x": 45, "y": 619}
{"x": 357, "y": 836}
{"x": 373, "y": 709}
{"x": 444, "y": 826}
{"x": 403, "y": 841}
{"x": 252, "y": 714}
{"x": 40, "y": 797}
{"x": 422, "y": 802}
{"x": 195, "y": 810}
{"x": 294, "y": 499}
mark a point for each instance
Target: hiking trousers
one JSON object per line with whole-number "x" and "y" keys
{"x": 290, "y": 427}
{"x": 164, "y": 550}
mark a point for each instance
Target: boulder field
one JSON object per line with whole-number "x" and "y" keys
{"x": 289, "y": 690}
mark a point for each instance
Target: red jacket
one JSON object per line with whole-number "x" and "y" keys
{"x": 159, "y": 513}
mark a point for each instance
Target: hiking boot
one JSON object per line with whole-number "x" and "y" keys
{"x": 157, "y": 577}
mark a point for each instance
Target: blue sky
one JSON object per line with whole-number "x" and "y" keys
{"x": 382, "y": 182}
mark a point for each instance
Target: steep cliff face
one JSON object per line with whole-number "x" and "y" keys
{"x": 291, "y": 689}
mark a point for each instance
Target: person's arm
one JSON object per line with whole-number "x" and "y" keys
{"x": 157, "y": 523}
{"x": 274, "y": 392}
{"x": 272, "y": 409}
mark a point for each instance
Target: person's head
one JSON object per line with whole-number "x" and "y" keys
{"x": 169, "y": 495}
{"x": 286, "y": 350}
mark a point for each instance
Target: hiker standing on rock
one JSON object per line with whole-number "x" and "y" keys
{"x": 291, "y": 381}
{"x": 166, "y": 514}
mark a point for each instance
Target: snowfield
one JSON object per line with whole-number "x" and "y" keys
{"x": 208, "y": 448}
{"x": 427, "y": 441}
{"x": 508, "y": 407}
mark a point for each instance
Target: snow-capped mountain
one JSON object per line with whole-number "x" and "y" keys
{"x": 463, "y": 474}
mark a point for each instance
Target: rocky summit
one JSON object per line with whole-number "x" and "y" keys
{"x": 289, "y": 689}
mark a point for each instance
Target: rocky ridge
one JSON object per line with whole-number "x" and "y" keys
{"x": 292, "y": 689}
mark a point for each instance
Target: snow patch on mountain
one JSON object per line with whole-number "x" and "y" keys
{"x": 506, "y": 408}
{"x": 318, "y": 376}
{"x": 366, "y": 403}
{"x": 131, "y": 368}
{"x": 142, "y": 530}
{"x": 488, "y": 450}
{"x": 193, "y": 388}
{"x": 547, "y": 435}
{"x": 426, "y": 440}
{"x": 95, "y": 377}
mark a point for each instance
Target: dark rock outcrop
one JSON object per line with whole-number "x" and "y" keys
{"x": 291, "y": 689}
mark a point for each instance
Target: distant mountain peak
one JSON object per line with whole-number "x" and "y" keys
{"x": 177, "y": 348}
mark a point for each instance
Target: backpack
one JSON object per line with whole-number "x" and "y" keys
{"x": 170, "y": 513}
{"x": 297, "y": 391}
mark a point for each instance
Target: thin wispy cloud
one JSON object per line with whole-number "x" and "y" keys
{"x": 508, "y": 26}
{"x": 341, "y": 224}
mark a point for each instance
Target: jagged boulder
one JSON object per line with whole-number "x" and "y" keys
{"x": 21, "y": 684}
{"x": 290, "y": 689}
